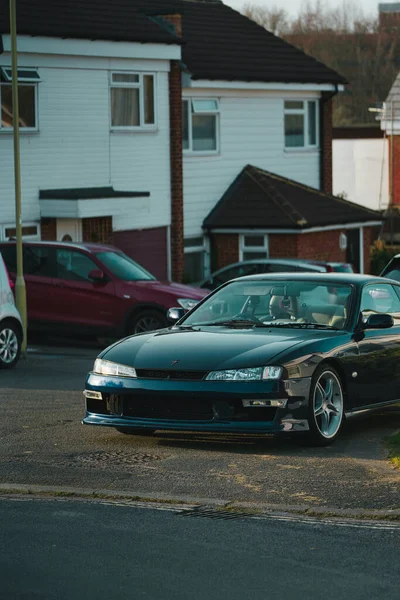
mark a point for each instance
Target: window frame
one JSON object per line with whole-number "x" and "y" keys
{"x": 23, "y": 81}
{"x": 31, "y": 237}
{"x": 203, "y": 248}
{"x": 256, "y": 249}
{"x": 193, "y": 111}
{"x": 304, "y": 112}
{"x": 142, "y": 127}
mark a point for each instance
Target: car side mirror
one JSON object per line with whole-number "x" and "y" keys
{"x": 379, "y": 321}
{"x": 174, "y": 314}
{"x": 96, "y": 275}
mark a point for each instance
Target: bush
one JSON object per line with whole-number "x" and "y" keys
{"x": 381, "y": 255}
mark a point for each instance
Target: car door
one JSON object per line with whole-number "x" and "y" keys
{"x": 378, "y": 372}
{"x": 82, "y": 302}
{"x": 38, "y": 270}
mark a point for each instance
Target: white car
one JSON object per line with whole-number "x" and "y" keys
{"x": 11, "y": 331}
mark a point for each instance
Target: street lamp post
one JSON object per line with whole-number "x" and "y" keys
{"x": 20, "y": 291}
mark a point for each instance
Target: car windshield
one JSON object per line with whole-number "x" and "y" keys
{"x": 392, "y": 271}
{"x": 341, "y": 268}
{"x": 279, "y": 303}
{"x": 124, "y": 267}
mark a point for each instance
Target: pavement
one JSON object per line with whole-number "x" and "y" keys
{"x": 46, "y": 449}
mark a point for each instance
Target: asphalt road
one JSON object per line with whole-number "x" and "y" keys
{"x": 63, "y": 550}
{"x": 43, "y": 442}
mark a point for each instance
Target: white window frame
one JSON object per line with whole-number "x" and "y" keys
{"x": 150, "y": 127}
{"x": 304, "y": 112}
{"x": 26, "y": 81}
{"x": 33, "y": 237}
{"x": 192, "y": 110}
{"x": 249, "y": 249}
{"x": 204, "y": 248}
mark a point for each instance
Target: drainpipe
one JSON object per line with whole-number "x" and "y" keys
{"x": 323, "y": 101}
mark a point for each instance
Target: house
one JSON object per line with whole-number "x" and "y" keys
{"x": 360, "y": 159}
{"x": 136, "y": 118}
{"x": 390, "y": 124}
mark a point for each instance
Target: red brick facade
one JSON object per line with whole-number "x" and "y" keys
{"x": 326, "y": 144}
{"x": 48, "y": 228}
{"x": 322, "y": 245}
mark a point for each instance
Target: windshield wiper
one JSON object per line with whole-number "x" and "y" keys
{"x": 304, "y": 325}
{"x": 235, "y": 323}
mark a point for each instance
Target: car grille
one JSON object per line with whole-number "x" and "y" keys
{"x": 193, "y": 408}
{"x": 168, "y": 374}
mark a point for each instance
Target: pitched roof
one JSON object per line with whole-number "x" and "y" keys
{"x": 218, "y": 42}
{"x": 392, "y": 103}
{"x": 260, "y": 199}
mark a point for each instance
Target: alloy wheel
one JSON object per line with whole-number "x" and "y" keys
{"x": 147, "y": 323}
{"x": 9, "y": 345}
{"x": 328, "y": 404}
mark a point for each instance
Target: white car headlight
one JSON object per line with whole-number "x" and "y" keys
{"x": 106, "y": 367}
{"x": 187, "y": 303}
{"x": 252, "y": 374}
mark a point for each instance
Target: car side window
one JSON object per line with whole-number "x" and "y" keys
{"x": 9, "y": 254}
{"x": 74, "y": 265}
{"x": 37, "y": 261}
{"x": 380, "y": 298}
{"x": 281, "y": 268}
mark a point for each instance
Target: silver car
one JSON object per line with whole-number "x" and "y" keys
{"x": 11, "y": 331}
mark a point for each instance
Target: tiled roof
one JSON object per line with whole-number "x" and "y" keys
{"x": 218, "y": 42}
{"x": 260, "y": 199}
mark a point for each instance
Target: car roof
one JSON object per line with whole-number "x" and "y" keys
{"x": 275, "y": 261}
{"x": 350, "y": 278}
{"x": 88, "y": 246}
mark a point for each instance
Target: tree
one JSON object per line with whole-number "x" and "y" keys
{"x": 274, "y": 19}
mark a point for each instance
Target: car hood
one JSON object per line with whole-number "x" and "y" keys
{"x": 178, "y": 290}
{"x": 210, "y": 348}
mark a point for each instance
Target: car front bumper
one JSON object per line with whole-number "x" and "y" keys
{"x": 197, "y": 405}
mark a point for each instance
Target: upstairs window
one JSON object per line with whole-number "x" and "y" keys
{"x": 27, "y": 99}
{"x": 133, "y": 104}
{"x": 200, "y": 125}
{"x": 301, "y": 124}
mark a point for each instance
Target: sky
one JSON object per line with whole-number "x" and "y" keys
{"x": 369, "y": 7}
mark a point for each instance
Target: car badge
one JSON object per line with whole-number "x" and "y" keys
{"x": 174, "y": 362}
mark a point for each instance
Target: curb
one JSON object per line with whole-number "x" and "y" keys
{"x": 190, "y": 502}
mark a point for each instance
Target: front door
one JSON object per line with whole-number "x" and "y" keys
{"x": 69, "y": 230}
{"x": 80, "y": 301}
{"x": 353, "y": 249}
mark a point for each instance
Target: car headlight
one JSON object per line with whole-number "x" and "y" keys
{"x": 252, "y": 374}
{"x": 106, "y": 367}
{"x": 187, "y": 303}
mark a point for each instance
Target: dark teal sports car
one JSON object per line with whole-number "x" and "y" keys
{"x": 262, "y": 354}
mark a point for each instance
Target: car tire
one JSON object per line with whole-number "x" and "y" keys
{"x": 135, "y": 431}
{"x": 326, "y": 407}
{"x": 10, "y": 345}
{"x": 147, "y": 320}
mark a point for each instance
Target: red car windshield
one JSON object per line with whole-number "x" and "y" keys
{"x": 124, "y": 267}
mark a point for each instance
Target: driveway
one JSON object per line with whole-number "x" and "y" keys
{"x": 43, "y": 443}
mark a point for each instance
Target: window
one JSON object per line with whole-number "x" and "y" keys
{"x": 253, "y": 246}
{"x": 123, "y": 267}
{"x": 27, "y": 99}
{"x": 194, "y": 249}
{"x": 381, "y": 298}
{"x": 37, "y": 261}
{"x": 30, "y": 231}
{"x": 74, "y": 266}
{"x": 132, "y": 97}
{"x": 301, "y": 124}
{"x": 200, "y": 125}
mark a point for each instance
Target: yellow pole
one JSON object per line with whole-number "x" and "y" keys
{"x": 20, "y": 291}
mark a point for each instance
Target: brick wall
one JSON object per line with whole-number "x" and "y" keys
{"x": 326, "y": 145}
{"x": 394, "y": 179}
{"x": 321, "y": 245}
{"x": 48, "y": 229}
{"x": 97, "y": 229}
{"x": 175, "y": 113}
{"x": 282, "y": 246}
{"x": 224, "y": 249}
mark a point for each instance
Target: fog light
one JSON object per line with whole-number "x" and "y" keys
{"x": 265, "y": 403}
{"x": 92, "y": 395}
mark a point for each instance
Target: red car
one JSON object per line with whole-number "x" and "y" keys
{"x": 93, "y": 288}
